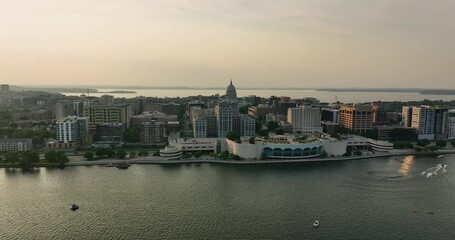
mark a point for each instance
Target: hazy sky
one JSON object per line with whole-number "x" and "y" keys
{"x": 304, "y": 43}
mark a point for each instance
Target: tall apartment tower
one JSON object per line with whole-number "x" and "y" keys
{"x": 423, "y": 119}
{"x": 406, "y": 113}
{"x": 225, "y": 112}
{"x": 441, "y": 123}
{"x": 305, "y": 119}
{"x": 357, "y": 118}
{"x": 70, "y": 129}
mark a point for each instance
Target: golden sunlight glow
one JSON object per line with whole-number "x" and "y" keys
{"x": 406, "y": 165}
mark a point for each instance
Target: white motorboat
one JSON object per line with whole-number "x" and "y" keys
{"x": 440, "y": 156}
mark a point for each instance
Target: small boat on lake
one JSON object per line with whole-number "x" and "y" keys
{"x": 316, "y": 224}
{"x": 73, "y": 207}
{"x": 440, "y": 156}
{"x": 123, "y": 165}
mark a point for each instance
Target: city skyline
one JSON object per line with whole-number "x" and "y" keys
{"x": 174, "y": 43}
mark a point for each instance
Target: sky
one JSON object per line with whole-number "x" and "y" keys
{"x": 266, "y": 43}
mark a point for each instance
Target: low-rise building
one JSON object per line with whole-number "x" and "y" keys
{"x": 196, "y": 144}
{"x": 15, "y": 144}
{"x": 110, "y": 131}
{"x": 451, "y": 128}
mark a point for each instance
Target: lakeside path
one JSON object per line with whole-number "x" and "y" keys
{"x": 160, "y": 160}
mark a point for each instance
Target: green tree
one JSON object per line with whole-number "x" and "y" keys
{"x": 324, "y": 154}
{"x": 88, "y": 156}
{"x": 1, "y": 159}
{"x": 258, "y": 126}
{"x": 156, "y": 154}
{"x": 224, "y": 155}
{"x": 423, "y": 143}
{"x": 251, "y": 140}
{"x": 62, "y": 158}
{"x": 12, "y": 157}
{"x": 101, "y": 152}
{"x": 235, "y": 157}
{"x": 143, "y": 153}
{"x": 50, "y": 156}
{"x": 110, "y": 152}
{"x": 264, "y": 132}
{"x": 28, "y": 158}
{"x": 357, "y": 153}
{"x": 244, "y": 109}
{"x": 453, "y": 143}
{"x": 133, "y": 154}
{"x": 279, "y": 131}
{"x": 272, "y": 125}
{"x": 197, "y": 154}
{"x": 232, "y": 136}
{"x": 132, "y": 135}
{"x": 121, "y": 154}
{"x": 441, "y": 143}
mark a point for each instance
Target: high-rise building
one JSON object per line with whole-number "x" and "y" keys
{"x": 357, "y": 118}
{"x": 4, "y": 88}
{"x": 71, "y": 129}
{"x": 423, "y": 119}
{"x": 248, "y": 126}
{"x": 63, "y": 109}
{"x": 107, "y": 100}
{"x": 153, "y": 133}
{"x": 225, "y": 112}
{"x": 330, "y": 115}
{"x": 200, "y": 127}
{"x": 441, "y": 123}
{"x": 108, "y": 114}
{"x": 305, "y": 119}
{"x": 406, "y": 116}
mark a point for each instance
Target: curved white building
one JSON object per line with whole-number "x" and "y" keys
{"x": 382, "y": 146}
{"x": 171, "y": 153}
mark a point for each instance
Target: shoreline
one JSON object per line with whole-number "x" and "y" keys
{"x": 243, "y": 162}
{"x": 159, "y": 160}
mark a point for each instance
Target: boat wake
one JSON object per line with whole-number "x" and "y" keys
{"x": 434, "y": 170}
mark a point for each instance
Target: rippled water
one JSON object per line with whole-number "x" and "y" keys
{"x": 367, "y": 199}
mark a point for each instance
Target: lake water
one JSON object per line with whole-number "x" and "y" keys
{"x": 346, "y": 97}
{"x": 361, "y": 199}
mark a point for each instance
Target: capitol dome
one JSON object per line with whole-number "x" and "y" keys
{"x": 231, "y": 93}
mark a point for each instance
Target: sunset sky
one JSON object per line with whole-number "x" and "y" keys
{"x": 268, "y": 43}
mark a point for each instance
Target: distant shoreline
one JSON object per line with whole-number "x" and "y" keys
{"x": 130, "y": 89}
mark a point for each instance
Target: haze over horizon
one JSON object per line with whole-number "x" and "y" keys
{"x": 204, "y": 43}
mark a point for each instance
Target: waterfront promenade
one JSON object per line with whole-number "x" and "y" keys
{"x": 160, "y": 160}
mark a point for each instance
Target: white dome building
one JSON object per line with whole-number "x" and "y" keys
{"x": 231, "y": 93}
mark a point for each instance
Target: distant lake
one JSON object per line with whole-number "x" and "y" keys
{"x": 360, "y": 199}
{"x": 346, "y": 97}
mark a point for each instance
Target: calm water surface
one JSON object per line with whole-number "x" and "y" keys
{"x": 366, "y": 199}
